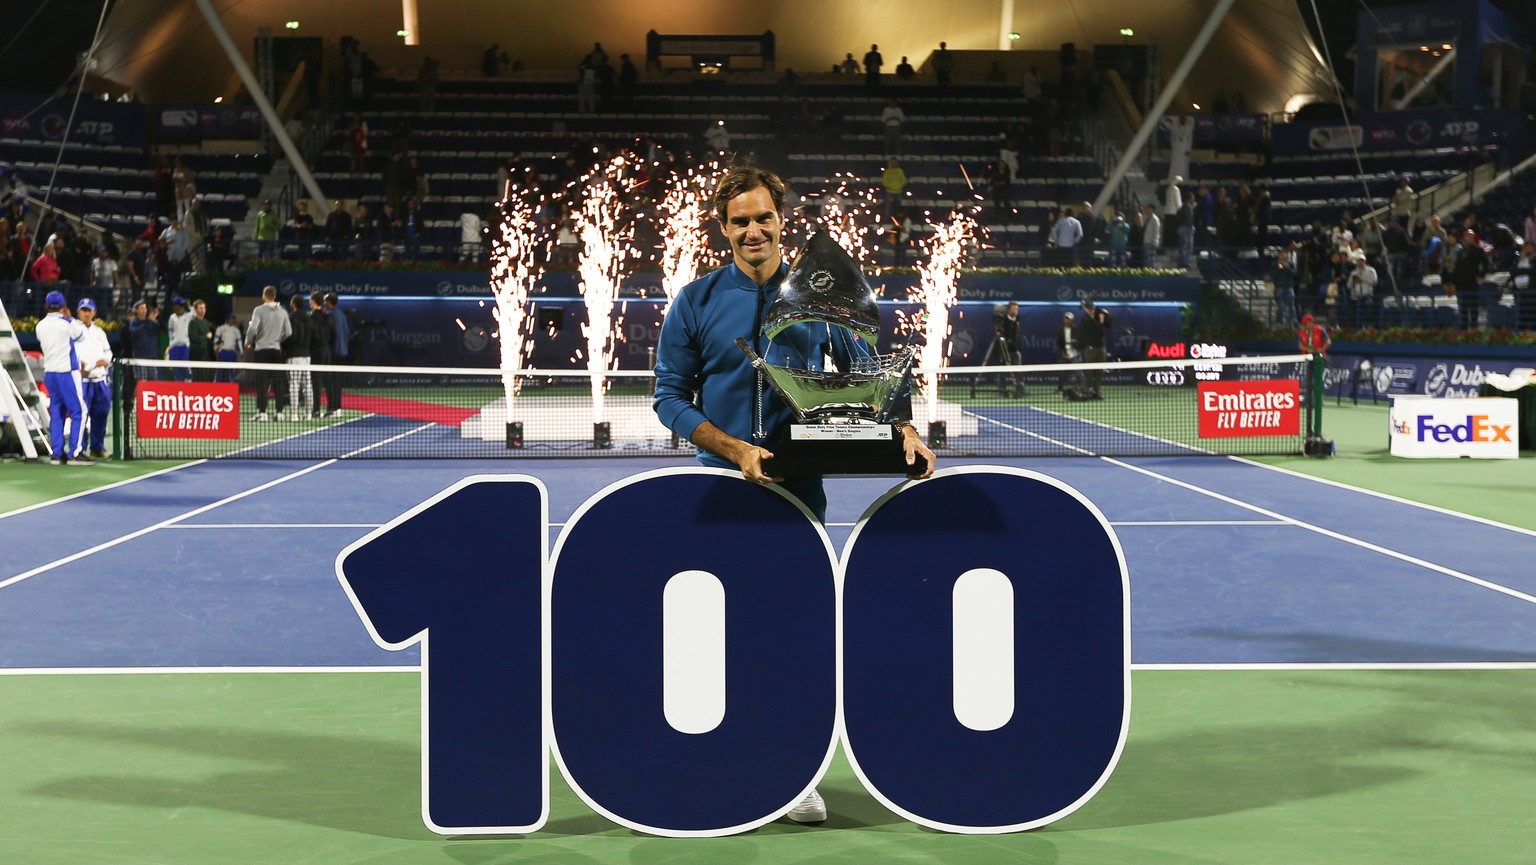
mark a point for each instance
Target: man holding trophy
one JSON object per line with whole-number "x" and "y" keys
{"x": 723, "y": 376}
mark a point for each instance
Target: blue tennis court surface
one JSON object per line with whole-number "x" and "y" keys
{"x": 232, "y": 563}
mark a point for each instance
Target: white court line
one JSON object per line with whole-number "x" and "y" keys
{"x": 93, "y": 490}
{"x": 1342, "y": 665}
{"x": 1413, "y": 560}
{"x": 1199, "y": 523}
{"x": 275, "y": 526}
{"x": 394, "y": 438}
{"x": 151, "y": 671}
{"x": 1310, "y": 667}
{"x": 1388, "y": 496}
{"x": 160, "y": 525}
{"x": 1033, "y": 434}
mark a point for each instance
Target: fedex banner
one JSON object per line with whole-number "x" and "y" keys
{"x": 1237, "y": 409}
{"x": 187, "y": 410}
{"x": 1481, "y": 428}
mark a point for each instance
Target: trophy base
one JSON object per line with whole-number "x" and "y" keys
{"x": 841, "y": 449}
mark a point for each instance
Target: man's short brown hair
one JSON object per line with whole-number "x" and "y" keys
{"x": 745, "y": 178}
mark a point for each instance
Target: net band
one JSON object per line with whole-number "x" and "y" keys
{"x": 202, "y": 409}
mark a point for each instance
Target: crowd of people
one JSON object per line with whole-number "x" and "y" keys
{"x": 1340, "y": 272}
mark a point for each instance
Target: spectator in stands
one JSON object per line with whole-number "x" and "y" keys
{"x": 1133, "y": 248}
{"x": 1335, "y": 275}
{"x": 302, "y": 224}
{"x": 103, "y": 270}
{"x": 226, "y": 343}
{"x": 892, "y": 118}
{"x": 165, "y": 188}
{"x": 266, "y": 231}
{"x": 1032, "y": 88}
{"x": 390, "y": 232}
{"x": 1151, "y": 236}
{"x": 1520, "y": 283}
{"x": 1282, "y": 275}
{"x": 173, "y": 240}
{"x": 144, "y": 338}
{"x": 490, "y": 61}
{"x": 717, "y": 138}
{"x": 220, "y": 253}
{"x": 413, "y": 229}
{"x": 849, "y": 65}
{"x": 138, "y": 264}
{"x": 943, "y": 64}
{"x": 872, "y": 63}
{"x": 1184, "y": 223}
{"x": 1362, "y": 292}
{"x": 1398, "y": 249}
{"x": 901, "y": 236}
{"x": 1119, "y": 240}
{"x": 894, "y": 182}
{"x": 200, "y": 339}
{"x": 1000, "y": 188}
{"x": 1066, "y": 234}
{"x": 1093, "y": 229}
{"x": 1529, "y": 232}
{"x": 1403, "y": 199}
{"x": 185, "y": 180}
{"x": 1467, "y": 278}
{"x": 396, "y": 179}
{"x": 995, "y": 75}
{"x": 904, "y": 70}
{"x": 586, "y": 89}
{"x": 269, "y": 327}
{"x": 629, "y": 77}
{"x": 338, "y": 229}
{"x": 357, "y": 137}
{"x": 45, "y": 270}
{"x": 366, "y": 233}
{"x": 198, "y": 227}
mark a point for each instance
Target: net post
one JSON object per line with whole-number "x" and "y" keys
{"x": 117, "y": 408}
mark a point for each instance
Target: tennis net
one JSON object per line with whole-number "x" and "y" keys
{"x": 197, "y": 410}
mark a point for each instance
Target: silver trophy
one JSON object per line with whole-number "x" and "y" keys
{"x": 846, "y": 422}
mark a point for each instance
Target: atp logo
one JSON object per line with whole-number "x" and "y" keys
{"x": 1402, "y": 427}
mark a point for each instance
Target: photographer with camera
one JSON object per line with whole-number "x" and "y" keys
{"x": 1090, "y": 338}
{"x": 1066, "y": 351}
{"x": 1006, "y": 348}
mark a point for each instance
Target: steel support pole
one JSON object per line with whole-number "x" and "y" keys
{"x": 1149, "y": 124}
{"x": 264, "y": 105}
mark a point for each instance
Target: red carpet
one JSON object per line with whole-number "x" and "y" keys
{"x": 406, "y": 409}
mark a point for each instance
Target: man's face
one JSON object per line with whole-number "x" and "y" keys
{"x": 200, "y": 308}
{"x": 141, "y": 310}
{"x": 87, "y": 315}
{"x": 752, "y": 227}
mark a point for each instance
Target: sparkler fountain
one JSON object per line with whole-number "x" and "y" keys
{"x": 604, "y": 225}
{"x": 945, "y": 249}
{"x": 685, "y": 215}
{"x": 514, "y": 270}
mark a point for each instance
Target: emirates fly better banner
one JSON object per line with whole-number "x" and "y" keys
{"x": 1231, "y": 409}
{"x": 187, "y": 410}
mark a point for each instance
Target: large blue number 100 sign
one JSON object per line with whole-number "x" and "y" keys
{"x": 694, "y": 650}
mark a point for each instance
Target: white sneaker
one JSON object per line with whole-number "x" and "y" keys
{"x": 280, "y": 417}
{"x": 261, "y": 417}
{"x": 81, "y": 460}
{"x": 812, "y": 809}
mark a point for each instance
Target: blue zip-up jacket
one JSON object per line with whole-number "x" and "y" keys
{"x": 702, "y": 375}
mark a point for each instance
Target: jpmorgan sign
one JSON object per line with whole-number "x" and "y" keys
{"x": 972, "y": 689}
